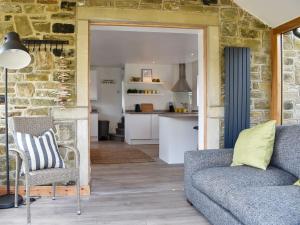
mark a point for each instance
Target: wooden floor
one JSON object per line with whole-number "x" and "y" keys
{"x": 122, "y": 194}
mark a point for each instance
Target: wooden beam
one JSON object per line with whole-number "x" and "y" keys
{"x": 276, "y": 104}
{"x": 46, "y": 191}
{"x": 287, "y": 26}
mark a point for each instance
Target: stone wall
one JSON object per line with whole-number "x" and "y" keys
{"x": 291, "y": 79}
{"x": 36, "y": 89}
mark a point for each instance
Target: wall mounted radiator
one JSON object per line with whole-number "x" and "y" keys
{"x": 237, "y": 93}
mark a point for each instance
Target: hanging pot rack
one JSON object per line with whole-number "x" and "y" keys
{"x": 55, "y": 45}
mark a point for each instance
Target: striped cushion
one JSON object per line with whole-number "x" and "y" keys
{"x": 41, "y": 151}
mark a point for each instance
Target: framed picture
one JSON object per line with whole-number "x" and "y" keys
{"x": 147, "y": 75}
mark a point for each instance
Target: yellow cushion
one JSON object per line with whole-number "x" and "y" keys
{"x": 297, "y": 183}
{"x": 254, "y": 146}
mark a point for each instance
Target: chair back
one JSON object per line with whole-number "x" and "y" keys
{"x": 32, "y": 125}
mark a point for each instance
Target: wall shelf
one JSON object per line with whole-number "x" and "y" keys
{"x": 140, "y": 82}
{"x": 133, "y": 94}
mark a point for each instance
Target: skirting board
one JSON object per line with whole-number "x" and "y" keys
{"x": 46, "y": 191}
{"x": 143, "y": 142}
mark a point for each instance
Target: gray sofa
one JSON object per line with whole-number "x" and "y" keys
{"x": 245, "y": 195}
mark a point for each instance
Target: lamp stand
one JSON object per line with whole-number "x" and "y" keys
{"x": 7, "y": 200}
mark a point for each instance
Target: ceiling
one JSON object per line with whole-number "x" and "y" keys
{"x": 272, "y": 12}
{"x": 116, "y": 46}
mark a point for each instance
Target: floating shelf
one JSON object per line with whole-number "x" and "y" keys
{"x": 145, "y": 94}
{"x": 140, "y": 82}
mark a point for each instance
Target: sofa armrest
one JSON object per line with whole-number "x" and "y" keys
{"x": 197, "y": 160}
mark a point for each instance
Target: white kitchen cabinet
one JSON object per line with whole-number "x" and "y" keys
{"x": 94, "y": 126}
{"x": 141, "y": 128}
{"x": 177, "y": 135}
{"x": 93, "y": 85}
{"x": 155, "y": 126}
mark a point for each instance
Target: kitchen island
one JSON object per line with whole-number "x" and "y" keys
{"x": 176, "y": 136}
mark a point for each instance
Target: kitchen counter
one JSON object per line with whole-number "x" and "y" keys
{"x": 166, "y": 113}
{"x": 192, "y": 114}
{"x": 154, "y": 112}
{"x": 176, "y": 136}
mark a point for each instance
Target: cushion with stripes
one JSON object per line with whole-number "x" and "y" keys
{"x": 41, "y": 151}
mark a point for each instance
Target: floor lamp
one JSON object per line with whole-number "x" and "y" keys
{"x": 13, "y": 55}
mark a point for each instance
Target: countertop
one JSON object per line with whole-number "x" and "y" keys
{"x": 180, "y": 115}
{"x": 154, "y": 112}
{"x": 166, "y": 113}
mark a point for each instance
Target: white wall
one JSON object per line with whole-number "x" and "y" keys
{"x": 166, "y": 73}
{"x": 109, "y": 103}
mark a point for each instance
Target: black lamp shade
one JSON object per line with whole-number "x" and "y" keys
{"x": 13, "y": 54}
{"x": 297, "y": 32}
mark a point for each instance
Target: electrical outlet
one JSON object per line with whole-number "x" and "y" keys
{"x": 2, "y": 99}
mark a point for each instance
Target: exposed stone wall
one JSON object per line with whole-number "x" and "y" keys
{"x": 291, "y": 78}
{"x": 35, "y": 89}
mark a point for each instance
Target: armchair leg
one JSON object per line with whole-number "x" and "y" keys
{"x": 28, "y": 204}
{"x": 17, "y": 181}
{"x": 78, "y": 196}
{"x": 53, "y": 191}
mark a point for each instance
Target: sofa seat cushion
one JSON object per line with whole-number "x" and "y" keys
{"x": 217, "y": 182}
{"x": 273, "y": 205}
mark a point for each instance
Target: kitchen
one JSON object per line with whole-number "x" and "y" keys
{"x": 157, "y": 116}
{"x": 156, "y": 89}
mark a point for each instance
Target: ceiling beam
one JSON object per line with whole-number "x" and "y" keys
{"x": 295, "y": 23}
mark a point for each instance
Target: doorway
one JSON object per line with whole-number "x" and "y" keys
{"x": 128, "y": 51}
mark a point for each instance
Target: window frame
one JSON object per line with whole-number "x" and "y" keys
{"x": 276, "y": 46}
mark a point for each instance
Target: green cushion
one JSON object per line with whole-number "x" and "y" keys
{"x": 254, "y": 146}
{"x": 297, "y": 183}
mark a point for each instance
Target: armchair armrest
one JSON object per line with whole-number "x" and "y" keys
{"x": 197, "y": 160}
{"x": 23, "y": 156}
{"x": 76, "y": 152}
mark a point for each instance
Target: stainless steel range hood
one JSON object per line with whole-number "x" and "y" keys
{"x": 181, "y": 85}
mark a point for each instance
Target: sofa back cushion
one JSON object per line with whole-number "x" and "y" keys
{"x": 286, "y": 154}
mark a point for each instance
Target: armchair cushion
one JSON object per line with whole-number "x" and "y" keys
{"x": 41, "y": 151}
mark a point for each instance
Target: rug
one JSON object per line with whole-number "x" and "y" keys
{"x": 119, "y": 156}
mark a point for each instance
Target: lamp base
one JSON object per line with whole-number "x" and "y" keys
{"x": 8, "y": 201}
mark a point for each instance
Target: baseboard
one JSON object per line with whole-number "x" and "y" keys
{"x": 46, "y": 191}
{"x": 143, "y": 142}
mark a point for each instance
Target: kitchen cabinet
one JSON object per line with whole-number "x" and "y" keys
{"x": 155, "y": 126}
{"x": 141, "y": 128}
{"x": 177, "y": 135}
{"x": 94, "y": 126}
{"x": 93, "y": 85}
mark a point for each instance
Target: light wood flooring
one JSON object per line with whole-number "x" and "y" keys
{"x": 122, "y": 194}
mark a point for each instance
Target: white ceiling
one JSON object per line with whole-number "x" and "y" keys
{"x": 115, "y": 46}
{"x": 272, "y": 12}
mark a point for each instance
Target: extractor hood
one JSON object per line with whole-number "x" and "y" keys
{"x": 182, "y": 85}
